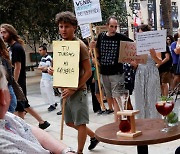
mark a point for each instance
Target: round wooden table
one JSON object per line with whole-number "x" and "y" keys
{"x": 151, "y": 134}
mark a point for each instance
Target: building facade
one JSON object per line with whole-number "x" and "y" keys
{"x": 149, "y": 12}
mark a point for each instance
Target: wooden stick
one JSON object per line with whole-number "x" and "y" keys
{"x": 62, "y": 120}
{"x": 97, "y": 71}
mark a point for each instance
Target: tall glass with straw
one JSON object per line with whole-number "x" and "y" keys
{"x": 122, "y": 96}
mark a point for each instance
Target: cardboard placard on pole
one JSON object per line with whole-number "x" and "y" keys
{"x": 66, "y": 68}
{"x": 127, "y": 53}
{"x": 149, "y": 40}
{"x": 100, "y": 29}
{"x": 85, "y": 30}
{"x": 87, "y": 11}
{"x": 66, "y": 63}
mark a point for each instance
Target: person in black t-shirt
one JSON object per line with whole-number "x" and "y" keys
{"x": 17, "y": 55}
{"x": 164, "y": 64}
{"x": 108, "y": 44}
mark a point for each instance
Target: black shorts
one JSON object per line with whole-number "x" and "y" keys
{"x": 22, "y": 105}
{"x": 174, "y": 69}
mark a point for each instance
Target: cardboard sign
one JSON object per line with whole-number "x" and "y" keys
{"x": 66, "y": 63}
{"x": 87, "y": 11}
{"x": 149, "y": 40}
{"x": 85, "y": 30}
{"x": 100, "y": 29}
{"x": 127, "y": 53}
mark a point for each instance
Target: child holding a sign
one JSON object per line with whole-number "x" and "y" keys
{"x": 76, "y": 107}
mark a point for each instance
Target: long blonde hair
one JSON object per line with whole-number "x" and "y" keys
{"x": 13, "y": 33}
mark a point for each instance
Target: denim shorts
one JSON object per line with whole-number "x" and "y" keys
{"x": 13, "y": 102}
{"x": 110, "y": 82}
{"x": 76, "y": 108}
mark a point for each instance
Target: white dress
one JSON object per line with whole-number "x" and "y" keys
{"x": 147, "y": 89}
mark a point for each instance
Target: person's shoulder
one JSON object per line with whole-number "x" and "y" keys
{"x": 123, "y": 37}
{"x": 17, "y": 46}
{"x": 174, "y": 43}
{"x": 9, "y": 115}
{"x": 82, "y": 44}
{"x": 49, "y": 57}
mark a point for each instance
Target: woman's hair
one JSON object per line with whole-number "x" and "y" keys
{"x": 66, "y": 17}
{"x": 176, "y": 36}
{"x": 171, "y": 38}
{"x": 13, "y": 33}
{"x": 3, "y": 51}
{"x": 144, "y": 28}
{"x": 3, "y": 81}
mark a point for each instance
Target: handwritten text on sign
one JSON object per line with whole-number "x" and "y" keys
{"x": 127, "y": 53}
{"x": 87, "y": 11}
{"x": 66, "y": 63}
{"x": 85, "y": 30}
{"x": 151, "y": 39}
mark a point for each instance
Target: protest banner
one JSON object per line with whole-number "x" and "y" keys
{"x": 66, "y": 63}
{"x": 85, "y": 30}
{"x": 100, "y": 29}
{"x": 149, "y": 40}
{"x": 87, "y": 11}
{"x": 127, "y": 53}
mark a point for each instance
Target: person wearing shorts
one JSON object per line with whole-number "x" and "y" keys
{"x": 18, "y": 59}
{"x": 107, "y": 45}
{"x": 76, "y": 107}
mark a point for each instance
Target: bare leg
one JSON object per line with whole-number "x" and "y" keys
{"x": 83, "y": 131}
{"x": 82, "y": 134}
{"x": 34, "y": 114}
{"x": 20, "y": 114}
{"x": 164, "y": 89}
{"x": 116, "y": 109}
{"x": 175, "y": 81}
{"x": 110, "y": 103}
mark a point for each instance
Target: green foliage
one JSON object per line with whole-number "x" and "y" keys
{"x": 35, "y": 19}
{"x": 114, "y": 7}
{"x": 172, "y": 118}
{"x": 166, "y": 98}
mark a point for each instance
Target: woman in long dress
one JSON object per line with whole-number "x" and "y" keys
{"x": 147, "y": 85}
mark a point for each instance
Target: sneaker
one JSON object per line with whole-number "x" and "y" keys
{"x": 93, "y": 143}
{"x": 44, "y": 125}
{"x": 101, "y": 112}
{"x": 51, "y": 108}
{"x": 55, "y": 104}
{"x": 59, "y": 113}
{"x": 109, "y": 111}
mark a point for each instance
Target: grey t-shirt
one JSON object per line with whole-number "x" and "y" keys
{"x": 16, "y": 137}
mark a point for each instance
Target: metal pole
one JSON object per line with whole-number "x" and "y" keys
{"x": 155, "y": 15}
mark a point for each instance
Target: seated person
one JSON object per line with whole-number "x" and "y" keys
{"x": 16, "y": 136}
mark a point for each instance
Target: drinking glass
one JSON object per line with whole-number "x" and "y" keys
{"x": 165, "y": 108}
{"x": 122, "y": 96}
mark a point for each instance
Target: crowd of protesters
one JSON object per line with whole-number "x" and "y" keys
{"x": 158, "y": 77}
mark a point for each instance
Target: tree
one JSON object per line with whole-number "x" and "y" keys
{"x": 114, "y": 7}
{"x": 166, "y": 15}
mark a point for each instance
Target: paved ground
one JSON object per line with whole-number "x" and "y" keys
{"x": 95, "y": 122}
